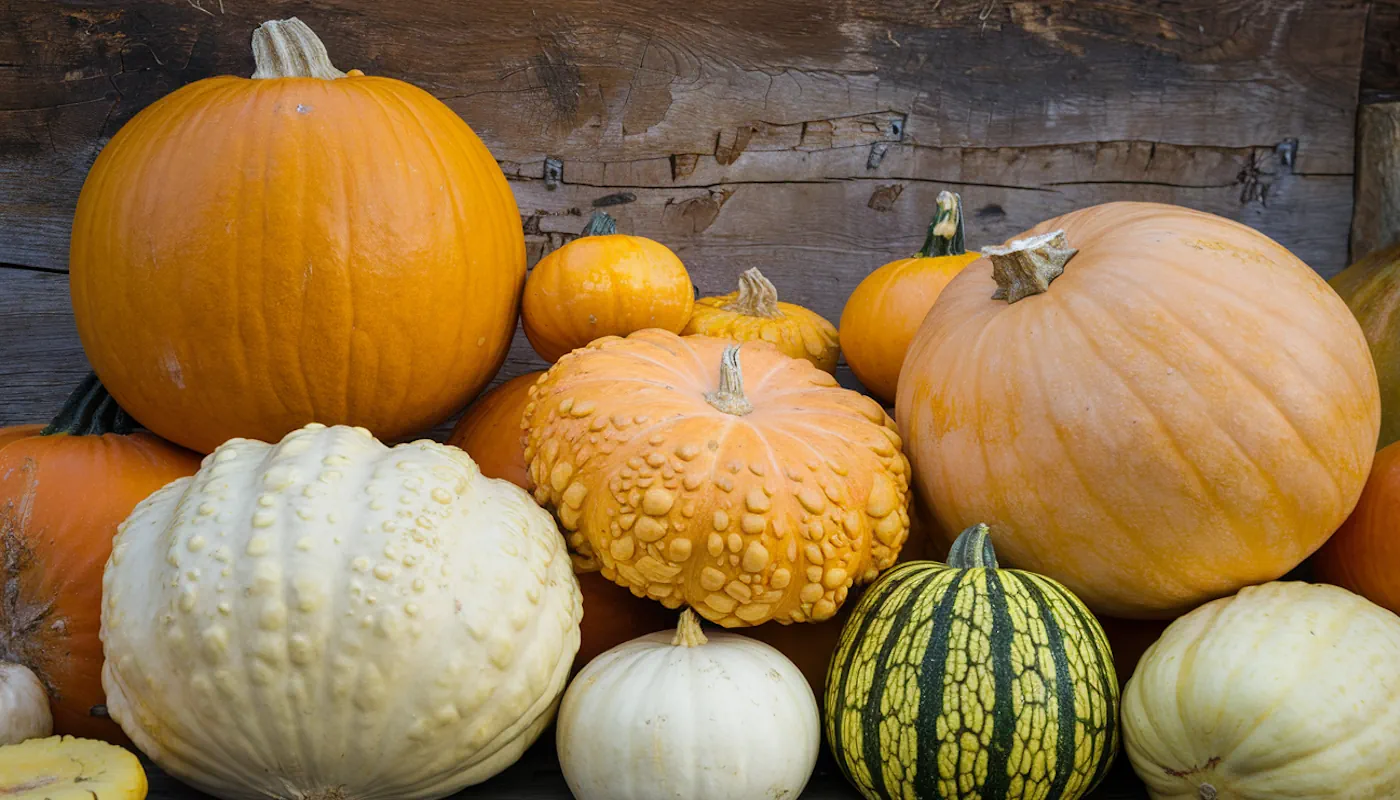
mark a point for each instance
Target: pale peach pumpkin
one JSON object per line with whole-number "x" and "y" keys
{"x": 1155, "y": 408}
{"x": 309, "y": 245}
{"x": 731, "y": 478}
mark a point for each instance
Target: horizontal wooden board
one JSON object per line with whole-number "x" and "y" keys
{"x": 750, "y": 130}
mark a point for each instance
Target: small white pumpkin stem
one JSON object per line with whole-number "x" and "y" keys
{"x": 24, "y": 705}
{"x": 1207, "y": 792}
{"x": 1027, "y": 266}
{"x": 688, "y": 631}
{"x": 730, "y": 398}
{"x": 287, "y": 48}
{"x": 758, "y": 297}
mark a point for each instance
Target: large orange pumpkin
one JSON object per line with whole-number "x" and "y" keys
{"x": 1364, "y": 554}
{"x": 888, "y": 306}
{"x": 64, "y": 489}
{"x": 1155, "y": 407}
{"x": 490, "y": 432}
{"x": 252, "y": 255}
{"x": 1371, "y": 289}
{"x": 732, "y": 478}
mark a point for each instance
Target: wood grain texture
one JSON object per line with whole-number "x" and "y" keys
{"x": 1376, "y": 222}
{"x": 1380, "y": 67}
{"x": 536, "y": 776}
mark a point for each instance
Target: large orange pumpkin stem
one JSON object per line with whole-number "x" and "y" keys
{"x": 90, "y": 411}
{"x": 1027, "y": 266}
{"x": 758, "y": 297}
{"x": 945, "y": 233}
{"x": 730, "y": 398}
{"x": 287, "y": 48}
{"x": 688, "y": 631}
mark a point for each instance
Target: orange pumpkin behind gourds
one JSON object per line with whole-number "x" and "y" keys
{"x": 1153, "y": 405}
{"x": 730, "y": 478}
{"x": 490, "y": 432}
{"x": 603, "y": 284}
{"x": 252, "y": 255}
{"x": 888, "y": 306}
{"x": 1364, "y": 554}
{"x": 64, "y": 489}
{"x": 754, "y": 313}
{"x": 1371, "y": 289}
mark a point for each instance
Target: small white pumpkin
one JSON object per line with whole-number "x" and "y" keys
{"x": 687, "y": 717}
{"x": 333, "y": 618}
{"x": 24, "y": 705}
{"x": 1284, "y": 690}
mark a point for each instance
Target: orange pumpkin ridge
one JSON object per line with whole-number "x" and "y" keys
{"x": 250, "y": 255}
{"x": 64, "y": 489}
{"x": 1165, "y": 406}
{"x": 887, "y": 307}
{"x": 603, "y": 284}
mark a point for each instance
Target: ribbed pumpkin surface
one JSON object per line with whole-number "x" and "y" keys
{"x": 973, "y": 682}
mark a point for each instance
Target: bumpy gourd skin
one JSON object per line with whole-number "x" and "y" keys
{"x": 330, "y": 612}
{"x": 770, "y": 515}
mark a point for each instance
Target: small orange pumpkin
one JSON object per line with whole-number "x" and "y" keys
{"x": 1154, "y": 406}
{"x": 252, "y": 255}
{"x": 490, "y": 433}
{"x": 64, "y": 489}
{"x": 1364, "y": 554}
{"x": 603, "y": 284}
{"x": 753, "y": 313}
{"x": 887, "y": 307}
{"x": 731, "y": 478}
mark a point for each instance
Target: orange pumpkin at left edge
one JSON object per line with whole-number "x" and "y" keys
{"x": 490, "y": 432}
{"x": 249, "y": 256}
{"x": 64, "y": 489}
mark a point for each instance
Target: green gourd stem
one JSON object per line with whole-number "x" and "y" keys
{"x": 600, "y": 224}
{"x": 973, "y": 549}
{"x": 688, "y": 631}
{"x": 1027, "y": 266}
{"x": 288, "y": 48}
{"x": 90, "y": 411}
{"x": 730, "y": 398}
{"x": 757, "y": 296}
{"x": 946, "y": 235}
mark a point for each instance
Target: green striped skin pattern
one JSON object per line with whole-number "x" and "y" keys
{"x": 967, "y": 681}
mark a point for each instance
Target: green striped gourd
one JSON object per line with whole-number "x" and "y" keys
{"x": 963, "y": 680}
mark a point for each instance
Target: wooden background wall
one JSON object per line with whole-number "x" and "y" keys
{"x": 808, "y": 139}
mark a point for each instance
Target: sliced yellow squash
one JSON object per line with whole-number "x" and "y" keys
{"x": 65, "y": 768}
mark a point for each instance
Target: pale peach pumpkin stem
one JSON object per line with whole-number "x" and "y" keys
{"x": 287, "y": 48}
{"x": 1027, "y": 266}
{"x": 688, "y": 632}
{"x": 730, "y": 398}
{"x": 758, "y": 297}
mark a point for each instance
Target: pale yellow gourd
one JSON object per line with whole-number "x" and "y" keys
{"x": 332, "y": 618}
{"x": 66, "y": 768}
{"x": 1284, "y": 690}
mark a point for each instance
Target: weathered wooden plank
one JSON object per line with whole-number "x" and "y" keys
{"x": 1380, "y": 66}
{"x": 1376, "y": 222}
{"x": 702, "y": 103}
